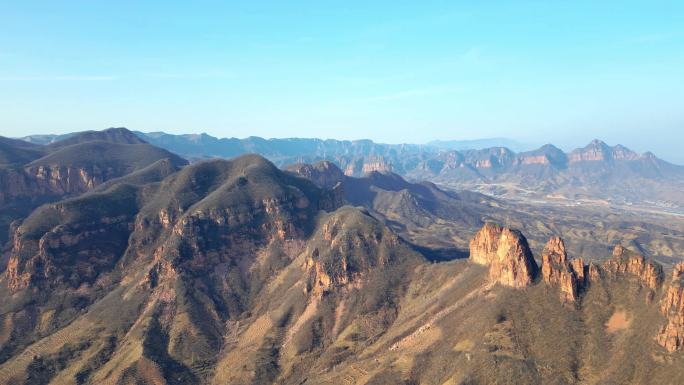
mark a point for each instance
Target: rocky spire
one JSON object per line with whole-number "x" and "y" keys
{"x": 671, "y": 336}
{"x": 557, "y": 271}
{"x": 624, "y": 261}
{"x": 507, "y": 254}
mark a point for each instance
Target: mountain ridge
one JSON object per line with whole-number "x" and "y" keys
{"x": 251, "y": 143}
{"x": 33, "y": 174}
{"x": 595, "y": 174}
{"x": 238, "y": 271}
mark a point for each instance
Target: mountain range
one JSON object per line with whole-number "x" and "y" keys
{"x": 127, "y": 264}
{"x": 595, "y": 174}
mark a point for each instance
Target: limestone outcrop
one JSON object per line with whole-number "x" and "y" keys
{"x": 624, "y": 261}
{"x": 507, "y": 254}
{"x": 671, "y": 336}
{"x": 556, "y": 270}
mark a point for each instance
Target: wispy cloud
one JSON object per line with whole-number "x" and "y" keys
{"x": 80, "y": 78}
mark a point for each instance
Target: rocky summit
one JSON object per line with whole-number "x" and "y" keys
{"x": 506, "y": 253}
{"x": 154, "y": 270}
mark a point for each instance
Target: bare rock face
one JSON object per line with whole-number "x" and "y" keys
{"x": 347, "y": 245}
{"x": 324, "y": 174}
{"x": 671, "y": 336}
{"x": 624, "y": 261}
{"x": 55, "y": 180}
{"x": 56, "y": 245}
{"x": 15, "y": 183}
{"x": 379, "y": 165}
{"x": 495, "y": 157}
{"x": 579, "y": 269}
{"x": 557, "y": 271}
{"x": 595, "y": 151}
{"x": 507, "y": 254}
{"x": 366, "y": 165}
{"x": 593, "y": 272}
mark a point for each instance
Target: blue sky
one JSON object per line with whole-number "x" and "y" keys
{"x": 393, "y": 71}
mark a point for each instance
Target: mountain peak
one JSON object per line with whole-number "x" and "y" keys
{"x": 598, "y": 150}
{"x": 597, "y": 143}
{"x": 507, "y": 254}
{"x": 119, "y": 135}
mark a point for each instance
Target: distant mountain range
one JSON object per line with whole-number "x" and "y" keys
{"x": 475, "y": 144}
{"x": 596, "y": 172}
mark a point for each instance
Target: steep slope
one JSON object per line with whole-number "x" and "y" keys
{"x": 201, "y": 245}
{"x": 231, "y": 274}
{"x": 15, "y": 153}
{"x": 416, "y": 211}
{"x": 507, "y": 255}
{"x": 37, "y": 174}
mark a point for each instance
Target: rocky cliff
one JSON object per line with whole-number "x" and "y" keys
{"x": 363, "y": 166}
{"x": 556, "y": 270}
{"x": 324, "y": 174}
{"x": 632, "y": 264}
{"x": 507, "y": 254}
{"x": 72, "y": 242}
{"x": 70, "y": 167}
{"x": 347, "y": 245}
{"x": 671, "y": 335}
{"x": 573, "y": 276}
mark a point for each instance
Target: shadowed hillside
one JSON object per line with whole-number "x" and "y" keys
{"x": 237, "y": 272}
{"x": 31, "y": 174}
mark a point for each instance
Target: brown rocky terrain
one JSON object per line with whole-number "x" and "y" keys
{"x": 236, "y": 272}
{"x": 32, "y": 174}
{"x": 442, "y": 222}
{"x": 324, "y": 174}
{"x": 506, "y": 253}
{"x": 625, "y": 261}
